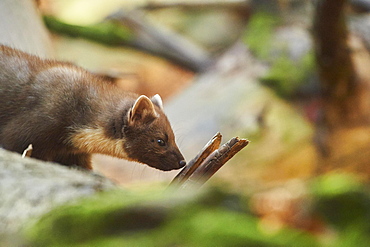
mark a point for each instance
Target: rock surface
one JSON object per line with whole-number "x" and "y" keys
{"x": 29, "y": 188}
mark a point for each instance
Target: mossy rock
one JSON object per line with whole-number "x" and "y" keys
{"x": 344, "y": 203}
{"x": 118, "y": 218}
{"x": 210, "y": 218}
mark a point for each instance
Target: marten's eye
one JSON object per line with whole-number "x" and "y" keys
{"x": 161, "y": 142}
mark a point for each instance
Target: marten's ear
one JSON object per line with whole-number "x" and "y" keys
{"x": 157, "y": 100}
{"x": 142, "y": 111}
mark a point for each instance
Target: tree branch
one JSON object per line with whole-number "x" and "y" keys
{"x": 209, "y": 160}
{"x": 133, "y": 29}
{"x": 188, "y": 170}
{"x": 159, "y": 40}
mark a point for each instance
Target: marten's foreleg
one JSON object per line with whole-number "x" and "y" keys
{"x": 81, "y": 159}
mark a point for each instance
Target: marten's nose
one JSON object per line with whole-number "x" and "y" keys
{"x": 182, "y": 163}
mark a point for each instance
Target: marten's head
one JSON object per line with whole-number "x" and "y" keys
{"x": 148, "y": 136}
{"x": 141, "y": 132}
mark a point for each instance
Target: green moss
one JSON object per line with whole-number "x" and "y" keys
{"x": 159, "y": 219}
{"x": 335, "y": 184}
{"x": 109, "y": 33}
{"x": 88, "y": 219}
{"x": 214, "y": 218}
{"x": 220, "y": 227}
{"x": 259, "y": 33}
{"x": 344, "y": 202}
{"x": 286, "y": 75}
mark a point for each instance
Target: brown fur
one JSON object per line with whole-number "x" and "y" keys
{"x": 67, "y": 114}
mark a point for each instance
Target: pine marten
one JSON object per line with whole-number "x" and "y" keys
{"x": 68, "y": 114}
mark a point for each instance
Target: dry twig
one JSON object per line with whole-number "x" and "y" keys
{"x": 157, "y": 39}
{"x": 209, "y": 160}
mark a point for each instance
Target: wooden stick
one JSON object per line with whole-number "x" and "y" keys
{"x": 159, "y": 40}
{"x": 208, "y": 161}
{"x": 217, "y": 159}
{"x": 134, "y": 30}
{"x": 210, "y": 147}
{"x": 196, "y": 4}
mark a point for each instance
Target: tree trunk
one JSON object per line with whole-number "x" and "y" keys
{"x": 343, "y": 132}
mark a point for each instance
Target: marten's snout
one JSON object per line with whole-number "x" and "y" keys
{"x": 178, "y": 160}
{"x": 182, "y": 163}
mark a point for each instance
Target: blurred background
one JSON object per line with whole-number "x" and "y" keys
{"x": 244, "y": 68}
{"x": 292, "y": 76}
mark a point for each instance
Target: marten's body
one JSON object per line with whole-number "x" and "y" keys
{"x": 67, "y": 114}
